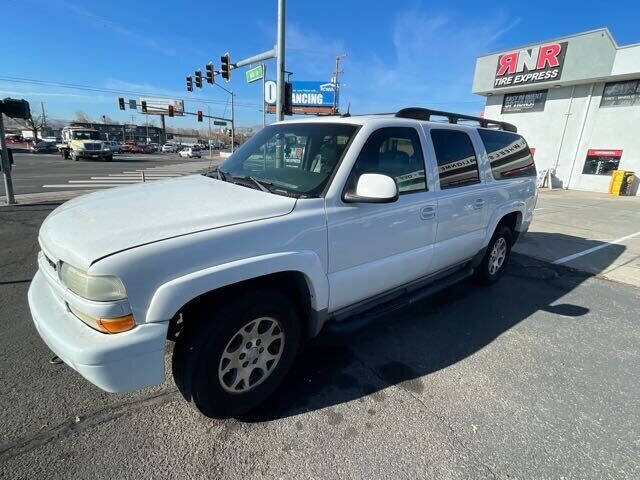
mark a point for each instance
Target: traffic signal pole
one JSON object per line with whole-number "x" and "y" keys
{"x": 280, "y": 62}
{"x": 6, "y": 167}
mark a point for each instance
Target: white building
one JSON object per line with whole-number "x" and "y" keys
{"x": 575, "y": 99}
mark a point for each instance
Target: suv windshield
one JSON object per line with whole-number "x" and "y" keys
{"x": 86, "y": 135}
{"x": 293, "y": 159}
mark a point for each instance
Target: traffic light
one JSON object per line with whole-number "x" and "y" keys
{"x": 198, "y": 78}
{"x": 121, "y": 103}
{"x": 209, "y": 68}
{"x": 171, "y": 110}
{"x": 199, "y": 115}
{"x": 225, "y": 66}
{"x": 189, "y": 84}
{"x": 144, "y": 106}
{"x": 287, "y": 108}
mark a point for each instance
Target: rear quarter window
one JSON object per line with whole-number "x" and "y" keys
{"x": 509, "y": 154}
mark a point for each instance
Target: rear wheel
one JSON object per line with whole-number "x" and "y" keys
{"x": 496, "y": 257}
{"x": 230, "y": 360}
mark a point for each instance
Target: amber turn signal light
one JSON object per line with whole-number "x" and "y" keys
{"x": 116, "y": 325}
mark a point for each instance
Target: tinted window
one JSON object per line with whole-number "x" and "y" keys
{"x": 395, "y": 152}
{"x": 509, "y": 154}
{"x": 457, "y": 162}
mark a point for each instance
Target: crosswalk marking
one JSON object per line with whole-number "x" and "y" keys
{"x": 129, "y": 177}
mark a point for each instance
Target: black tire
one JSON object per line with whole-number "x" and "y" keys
{"x": 198, "y": 352}
{"x": 109, "y": 158}
{"x": 485, "y": 273}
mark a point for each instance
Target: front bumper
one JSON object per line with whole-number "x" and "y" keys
{"x": 93, "y": 154}
{"x": 116, "y": 363}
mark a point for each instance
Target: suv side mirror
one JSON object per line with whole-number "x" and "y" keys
{"x": 373, "y": 188}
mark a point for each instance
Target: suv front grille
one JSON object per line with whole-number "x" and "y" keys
{"x": 92, "y": 146}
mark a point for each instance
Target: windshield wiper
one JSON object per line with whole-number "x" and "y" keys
{"x": 261, "y": 184}
{"x": 221, "y": 175}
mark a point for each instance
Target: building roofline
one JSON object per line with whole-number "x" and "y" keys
{"x": 564, "y": 37}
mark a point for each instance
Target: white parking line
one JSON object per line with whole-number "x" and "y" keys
{"x": 593, "y": 249}
{"x": 82, "y": 185}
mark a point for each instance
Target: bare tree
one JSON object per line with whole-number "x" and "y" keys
{"x": 35, "y": 124}
{"x": 82, "y": 117}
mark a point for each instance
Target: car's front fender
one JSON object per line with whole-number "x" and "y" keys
{"x": 174, "y": 294}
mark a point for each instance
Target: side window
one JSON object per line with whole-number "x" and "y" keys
{"x": 509, "y": 154}
{"x": 396, "y": 152}
{"x": 457, "y": 162}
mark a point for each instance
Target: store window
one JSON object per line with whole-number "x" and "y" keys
{"x": 621, "y": 94}
{"x": 524, "y": 102}
{"x": 601, "y": 162}
{"x": 457, "y": 161}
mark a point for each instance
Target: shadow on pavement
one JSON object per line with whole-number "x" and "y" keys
{"x": 429, "y": 336}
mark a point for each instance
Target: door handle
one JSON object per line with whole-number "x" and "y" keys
{"x": 478, "y": 204}
{"x": 427, "y": 213}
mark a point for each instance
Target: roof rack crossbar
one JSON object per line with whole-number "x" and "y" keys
{"x": 419, "y": 113}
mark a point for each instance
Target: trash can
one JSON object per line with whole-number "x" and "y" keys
{"x": 621, "y": 181}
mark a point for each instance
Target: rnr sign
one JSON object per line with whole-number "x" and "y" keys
{"x": 530, "y": 65}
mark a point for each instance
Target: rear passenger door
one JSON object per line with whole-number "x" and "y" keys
{"x": 461, "y": 197}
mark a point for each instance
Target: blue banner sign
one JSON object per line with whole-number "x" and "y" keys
{"x": 312, "y": 94}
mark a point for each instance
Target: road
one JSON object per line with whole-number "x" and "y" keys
{"x": 31, "y": 172}
{"x": 535, "y": 377}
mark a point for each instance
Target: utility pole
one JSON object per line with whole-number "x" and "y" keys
{"x": 209, "y": 114}
{"x": 280, "y": 61}
{"x": 6, "y": 167}
{"x": 233, "y": 124}
{"x": 336, "y": 82}
{"x": 44, "y": 117}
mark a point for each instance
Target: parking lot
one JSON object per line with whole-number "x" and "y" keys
{"x": 534, "y": 377}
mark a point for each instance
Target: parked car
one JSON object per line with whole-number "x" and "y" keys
{"x": 44, "y": 147}
{"x": 170, "y": 147}
{"x": 154, "y": 146}
{"x": 190, "y": 152}
{"x": 114, "y": 146}
{"x": 380, "y": 211}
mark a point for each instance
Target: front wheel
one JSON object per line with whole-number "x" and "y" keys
{"x": 228, "y": 361}
{"x": 496, "y": 257}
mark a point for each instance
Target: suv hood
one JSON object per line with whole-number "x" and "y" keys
{"x": 93, "y": 226}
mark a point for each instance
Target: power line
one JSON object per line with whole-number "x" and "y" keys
{"x": 30, "y": 81}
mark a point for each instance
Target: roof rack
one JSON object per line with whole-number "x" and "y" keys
{"x": 418, "y": 113}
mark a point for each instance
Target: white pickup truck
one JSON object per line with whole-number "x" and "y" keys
{"x": 326, "y": 223}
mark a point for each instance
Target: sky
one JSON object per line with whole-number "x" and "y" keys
{"x": 400, "y": 53}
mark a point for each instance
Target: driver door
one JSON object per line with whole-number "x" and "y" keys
{"x": 374, "y": 247}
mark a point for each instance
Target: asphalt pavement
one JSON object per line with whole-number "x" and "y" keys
{"x": 533, "y": 378}
{"x": 47, "y": 172}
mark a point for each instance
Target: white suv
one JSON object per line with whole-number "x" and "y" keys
{"x": 315, "y": 224}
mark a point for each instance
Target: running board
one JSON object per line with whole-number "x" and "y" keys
{"x": 358, "y": 321}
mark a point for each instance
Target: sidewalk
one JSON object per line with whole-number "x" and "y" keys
{"x": 44, "y": 197}
{"x": 592, "y": 232}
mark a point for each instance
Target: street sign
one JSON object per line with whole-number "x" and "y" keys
{"x": 270, "y": 90}
{"x": 254, "y": 74}
{"x": 218, "y": 122}
{"x": 160, "y": 106}
{"x": 132, "y": 105}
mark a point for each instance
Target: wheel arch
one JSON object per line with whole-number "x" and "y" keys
{"x": 510, "y": 216}
{"x": 299, "y": 274}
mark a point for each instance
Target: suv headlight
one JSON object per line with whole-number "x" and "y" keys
{"x": 91, "y": 287}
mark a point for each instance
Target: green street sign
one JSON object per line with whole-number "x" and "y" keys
{"x": 218, "y": 122}
{"x": 254, "y": 74}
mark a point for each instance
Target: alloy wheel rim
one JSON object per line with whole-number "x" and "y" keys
{"x": 498, "y": 254}
{"x": 251, "y": 355}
